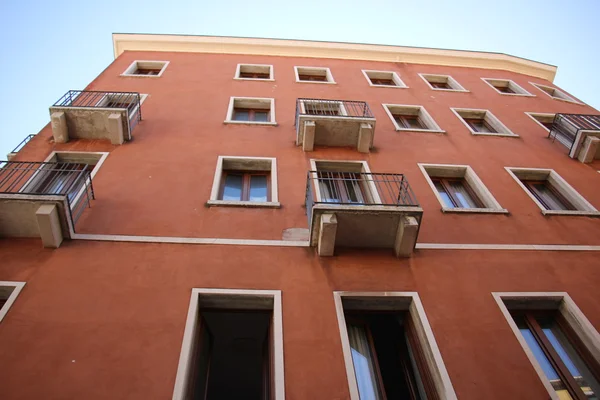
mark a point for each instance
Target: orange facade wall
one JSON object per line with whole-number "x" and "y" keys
{"x": 100, "y": 320}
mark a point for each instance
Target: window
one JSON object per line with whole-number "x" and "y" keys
{"x": 237, "y": 335}
{"x": 459, "y": 189}
{"x": 254, "y": 72}
{"x": 506, "y": 86}
{"x": 558, "y": 340}
{"x": 152, "y": 69}
{"x": 245, "y": 110}
{"x": 345, "y": 182}
{"x": 555, "y": 93}
{"x": 383, "y": 79}
{"x": 389, "y": 350}
{"x": 442, "y": 82}
{"x": 411, "y": 118}
{"x": 543, "y": 119}
{"x": 8, "y": 294}
{"x": 313, "y": 74}
{"x": 552, "y": 194}
{"x": 482, "y": 122}
{"x": 245, "y": 181}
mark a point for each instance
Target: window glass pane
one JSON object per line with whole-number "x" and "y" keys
{"x": 353, "y": 189}
{"x": 567, "y": 353}
{"x": 549, "y": 199}
{"x": 462, "y": 195}
{"x": 328, "y": 188}
{"x": 241, "y": 115}
{"x": 232, "y": 188}
{"x": 364, "y": 365}
{"x": 445, "y": 197}
{"x": 261, "y": 116}
{"x": 258, "y": 188}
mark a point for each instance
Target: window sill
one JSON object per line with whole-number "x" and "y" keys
{"x": 140, "y": 76}
{"x": 475, "y": 210}
{"x": 572, "y": 213}
{"x": 250, "y": 123}
{"x": 389, "y": 86}
{"x": 254, "y": 79}
{"x": 512, "y": 135}
{"x": 420, "y": 130}
{"x": 318, "y": 82}
{"x": 517, "y": 94}
{"x": 451, "y": 90}
{"x": 253, "y": 204}
{"x": 568, "y": 101}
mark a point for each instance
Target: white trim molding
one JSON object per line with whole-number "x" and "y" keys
{"x": 494, "y": 83}
{"x": 501, "y": 129}
{"x": 410, "y": 303}
{"x": 231, "y": 299}
{"x": 468, "y": 174}
{"x": 555, "y": 93}
{"x": 584, "y": 208}
{"x": 254, "y": 68}
{"x": 9, "y": 291}
{"x": 317, "y": 71}
{"x": 344, "y": 51}
{"x": 437, "y": 78}
{"x": 560, "y": 301}
{"x": 134, "y": 66}
{"x": 419, "y": 111}
{"x": 245, "y": 164}
{"x": 393, "y": 76}
{"x": 261, "y": 103}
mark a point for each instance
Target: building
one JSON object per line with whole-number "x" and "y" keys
{"x": 222, "y": 218}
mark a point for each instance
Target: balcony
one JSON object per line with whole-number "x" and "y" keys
{"x": 336, "y": 123}
{"x": 579, "y": 133}
{"x": 45, "y": 200}
{"x": 95, "y": 115}
{"x": 10, "y": 156}
{"x": 361, "y": 210}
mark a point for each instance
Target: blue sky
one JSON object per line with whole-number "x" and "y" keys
{"x": 51, "y": 47}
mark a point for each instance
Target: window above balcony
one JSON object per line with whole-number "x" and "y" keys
{"x": 334, "y": 123}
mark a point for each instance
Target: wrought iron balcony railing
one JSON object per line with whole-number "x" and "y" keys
{"x": 358, "y": 188}
{"x": 332, "y": 108}
{"x": 22, "y": 144}
{"x": 71, "y": 180}
{"x": 565, "y": 127}
{"x": 130, "y": 101}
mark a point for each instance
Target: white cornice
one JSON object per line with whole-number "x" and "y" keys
{"x": 346, "y": 51}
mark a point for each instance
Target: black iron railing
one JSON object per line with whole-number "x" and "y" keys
{"x": 565, "y": 127}
{"x": 130, "y": 101}
{"x": 70, "y": 180}
{"x": 23, "y": 143}
{"x": 333, "y": 108}
{"x": 357, "y": 188}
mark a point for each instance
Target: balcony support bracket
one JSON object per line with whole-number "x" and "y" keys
{"x": 308, "y": 142}
{"x": 115, "y": 128}
{"x": 406, "y": 236}
{"x": 365, "y": 138}
{"x": 60, "y": 131}
{"x": 589, "y": 150}
{"x": 327, "y": 233}
{"x": 49, "y": 225}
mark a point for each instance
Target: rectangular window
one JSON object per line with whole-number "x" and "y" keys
{"x": 546, "y": 194}
{"x": 254, "y": 71}
{"x": 61, "y": 178}
{"x": 549, "y": 338}
{"x": 506, "y": 86}
{"x": 248, "y": 110}
{"x": 146, "y": 68}
{"x": 383, "y": 78}
{"x": 480, "y": 125}
{"x": 313, "y": 74}
{"x": 245, "y": 186}
{"x": 409, "y": 121}
{"x": 411, "y": 118}
{"x": 504, "y": 89}
{"x": 442, "y": 82}
{"x": 482, "y": 122}
{"x": 456, "y": 193}
{"x": 250, "y": 114}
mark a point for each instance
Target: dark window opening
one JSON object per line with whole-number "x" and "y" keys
{"x": 386, "y": 365}
{"x": 250, "y": 114}
{"x": 383, "y": 81}
{"x": 255, "y": 75}
{"x": 409, "y": 121}
{"x": 61, "y": 178}
{"x": 322, "y": 108}
{"x": 480, "y": 125}
{"x": 456, "y": 193}
{"x": 246, "y": 186}
{"x": 570, "y": 370}
{"x": 440, "y": 85}
{"x": 548, "y": 195}
{"x": 147, "y": 71}
{"x": 505, "y": 89}
{"x": 232, "y": 357}
{"x": 312, "y": 78}
{"x": 342, "y": 187}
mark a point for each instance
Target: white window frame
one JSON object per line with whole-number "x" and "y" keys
{"x": 369, "y": 73}
{"x": 561, "y": 301}
{"x": 519, "y": 90}
{"x": 345, "y": 166}
{"x": 468, "y": 174}
{"x": 557, "y": 94}
{"x": 239, "y": 68}
{"x": 260, "y": 102}
{"x": 134, "y": 66}
{"x": 421, "y": 112}
{"x": 403, "y": 301}
{"x": 584, "y": 208}
{"x": 327, "y": 71}
{"x": 10, "y": 298}
{"x": 232, "y": 298}
{"x": 490, "y": 118}
{"x": 532, "y": 115}
{"x": 245, "y": 164}
{"x": 453, "y": 83}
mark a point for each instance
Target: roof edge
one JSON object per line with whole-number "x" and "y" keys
{"x": 340, "y": 50}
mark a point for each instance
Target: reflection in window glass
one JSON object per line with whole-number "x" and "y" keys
{"x": 258, "y": 188}
{"x": 233, "y": 187}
